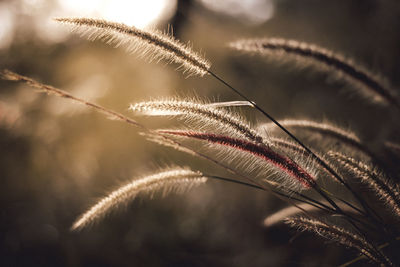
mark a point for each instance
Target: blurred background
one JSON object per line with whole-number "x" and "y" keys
{"x": 57, "y": 158}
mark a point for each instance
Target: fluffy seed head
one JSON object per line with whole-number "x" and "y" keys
{"x": 297, "y": 177}
{"x": 388, "y": 192}
{"x": 170, "y": 180}
{"x": 205, "y": 114}
{"x": 340, "y": 235}
{"x": 154, "y": 44}
{"x": 367, "y": 83}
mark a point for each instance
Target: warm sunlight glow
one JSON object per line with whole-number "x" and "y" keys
{"x": 133, "y": 13}
{"x": 6, "y": 29}
{"x": 250, "y": 11}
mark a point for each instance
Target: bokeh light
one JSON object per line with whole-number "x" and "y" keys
{"x": 134, "y": 13}
{"x": 36, "y": 16}
{"x": 250, "y": 11}
{"x": 7, "y": 24}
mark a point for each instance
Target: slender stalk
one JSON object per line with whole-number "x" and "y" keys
{"x": 234, "y": 181}
{"x": 346, "y": 203}
{"x": 308, "y": 200}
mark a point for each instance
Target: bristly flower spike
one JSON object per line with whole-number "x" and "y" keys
{"x": 382, "y": 187}
{"x": 153, "y": 44}
{"x": 207, "y": 114}
{"x": 341, "y": 236}
{"x": 178, "y": 179}
{"x": 365, "y": 81}
{"x": 285, "y": 164}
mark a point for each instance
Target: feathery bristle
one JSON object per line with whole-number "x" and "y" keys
{"x": 207, "y": 115}
{"x": 162, "y": 140}
{"x": 285, "y": 164}
{"x": 367, "y": 83}
{"x": 152, "y": 44}
{"x": 385, "y": 190}
{"x": 340, "y": 235}
{"x": 177, "y": 179}
{"x": 288, "y": 145}
{"x": 325, "y": 129}
{"x": 294, "y": 148}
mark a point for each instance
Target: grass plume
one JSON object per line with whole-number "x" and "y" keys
{"x": 177, "y": 179}
{"x": 382, "y": 187}
{"x": 341, "y": 236}
{"x": 358, "y": 76}
{"x": 154, "y": 44}
{"x": 207, "y": 114}
{"x": 285, "y": 164}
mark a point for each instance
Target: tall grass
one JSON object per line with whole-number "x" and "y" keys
{"x": 286, "y": 167}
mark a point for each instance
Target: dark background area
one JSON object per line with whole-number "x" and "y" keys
{"x": 58, "y": 158}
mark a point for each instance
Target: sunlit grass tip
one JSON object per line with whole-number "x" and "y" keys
{"x": 152, "y": 44}
{"x": 367, "y": 83}
{"x": 289, "y": 174}
{"x": 202, "y": 115}
{"x": 176, "y": 179}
